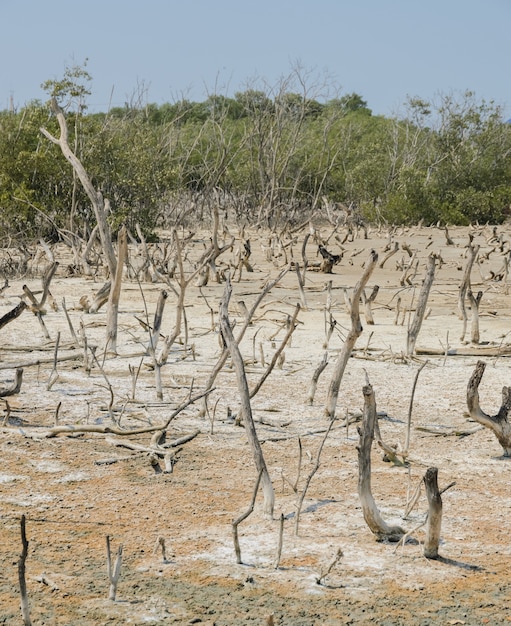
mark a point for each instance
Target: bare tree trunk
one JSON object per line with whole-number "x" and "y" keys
{"x": 353, "y": 335}
{"x": 99, "y": 205}
{"x": 420, "y": 310}
{"x": 25, "y": 608}
{"x": 114, "y": 572}
{"x": 434, "y": 521}
{"x": 465, "y": 286}
{"x": 368, "y": 300}
{"x": 246, "y": 409}
{"x": 115, "y": 292}
{"x": 371, "y": 513}
{"x": 315, "y": 378}
{"x": 474, "y": 306}
{"x": 498, "y": 423}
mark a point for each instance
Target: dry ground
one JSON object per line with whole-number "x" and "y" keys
{"x": 72, "y": 500}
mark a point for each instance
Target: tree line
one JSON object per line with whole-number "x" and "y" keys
{"x": 271, "y": 153}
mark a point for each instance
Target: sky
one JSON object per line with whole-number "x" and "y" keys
{"x": 161, "y": 51}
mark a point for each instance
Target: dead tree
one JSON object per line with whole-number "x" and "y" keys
{"x": 389, "y": 254}
{"x": 368, "y": 300}
{"x": 99, "y": 204}
{"x": 475, "y": 301}
{"x": 114, "y": 572}
{"x": 498, "y": 423}
{"x": 25, "y": 608}
{"x": 372, "y": 516}
{"x": 420, "y": 310}
{"x": 115, "y": 293}
{"x": 37, "y": 307}
{"x": 248, "y": 319}
{"x": 329, "y": 260}
{"x": 236, "y": 522}
{"x": 465, "y": 286}
{"x": 315, "y": 378}
{"x": 245, "y": 409}
{"x": 434, "y": 521}
{"x": 101, "y": 209}
{"x": 353, "y": 335}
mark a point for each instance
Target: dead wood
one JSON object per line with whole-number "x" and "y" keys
{"x": 70, "y": 324}
{"x": 100, "y": 298}
{"x": 487, "y": 351}
{"x": 115, "y": 430}
{"x": 410, "y": 407}
{"x": 291, "y": 328}
{"x": 100, "y": 206}
{"x": 25, "y": 607}
{"x": 114, "y": 573}
{"x": 35, "y": 362}
{"x": 420, "y": 310}
{"x": 498, "y": 423}
{"x": 301, "y": 497}
{"x": 280, "y": 542}
{"x": 13, "y": 313}
{"x": 301, "y": 284}
{"x": 465, "y": 286}
{"x": 474, "y": 307}
{"x": 160, "y": 450}
{"x": 54, "y": 375}
{"x": 115, "y": 292}
{"x": 434, "y": 521}
{"x": 329, "y": 260}
{"x": 368, "y": 300}
{"x": 320, "y": 580}
{"x": 245, "y": 408}
{"x": 315, "y": 378}
{"x": 15, "y": 387}
{"x": 389, "y": 254}
{"x": 236, "y": 522}
{"x": 248, "y": 319}
{"x": 372, "y": 516}
{"x": 349, "y": 343}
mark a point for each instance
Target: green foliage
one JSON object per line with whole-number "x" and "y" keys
{"x": 276, "y": 151}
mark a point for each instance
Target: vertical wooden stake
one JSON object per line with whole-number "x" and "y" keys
{"x": 113, "y": 573}
{"x": 25, "y": 608}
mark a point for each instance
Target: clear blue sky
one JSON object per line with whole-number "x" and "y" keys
{"x": 385, "y": 50}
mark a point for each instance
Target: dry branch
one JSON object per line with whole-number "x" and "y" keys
{"x": 13, "y": 313}
{"x": 372, "y": 516}
{"x": 237, "y": 521}
{"x": 245, "y": 408}
{"x": 420, "y": 310}
{"x": 353, "y": 335}
{"x": 498, "y": 423}
{"x": 248, "y": 319}
{"x": 291, "y": 328}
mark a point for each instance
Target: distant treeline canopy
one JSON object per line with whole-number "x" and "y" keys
{"x": 272, "y": 155}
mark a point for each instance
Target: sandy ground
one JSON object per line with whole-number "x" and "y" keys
{"x": 75, "y": 490}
